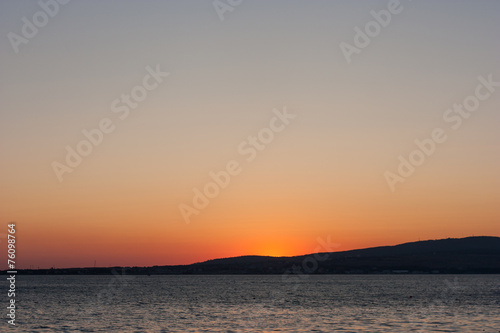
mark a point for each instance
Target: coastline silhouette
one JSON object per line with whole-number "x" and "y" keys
{"x": 470, "y": 255}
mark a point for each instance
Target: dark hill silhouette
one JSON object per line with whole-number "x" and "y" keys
{"x": 452, "y": 255}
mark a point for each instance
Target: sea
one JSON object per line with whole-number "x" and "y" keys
{"x": 256, "y": 303}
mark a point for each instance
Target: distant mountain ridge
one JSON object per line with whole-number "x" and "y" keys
{"x": 453, "y": 255}
{"x": 468, "y": 244}
{"x": 470, "y": 255}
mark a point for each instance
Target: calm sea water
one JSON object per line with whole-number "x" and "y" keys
{"x": 332, "y": 303}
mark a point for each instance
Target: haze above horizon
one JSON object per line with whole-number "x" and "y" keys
{"x": 157, "y": 133}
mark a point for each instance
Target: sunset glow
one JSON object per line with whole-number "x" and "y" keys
{"x": 244, "y": 139}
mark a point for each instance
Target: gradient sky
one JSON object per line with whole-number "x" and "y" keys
{"x": 323, "y": 176}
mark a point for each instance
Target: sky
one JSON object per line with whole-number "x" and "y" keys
{"x": 306, "y": 113}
